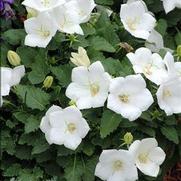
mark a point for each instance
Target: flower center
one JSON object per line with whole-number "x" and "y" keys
{"x": 132, "y": 23}
{"x": 71, "y": 127}
{"x": 143, "y": 157}
{"x": 94, "y": 89}
{"x": 45, "y": 3}
{"x": 147, "y": 69}
{"x": 44, "y": 33}
{"x": 124, "y": 98}
{"x": 117, "y": 165}
{"x": 167, "y": 93}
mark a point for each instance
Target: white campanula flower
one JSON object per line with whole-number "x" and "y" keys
{"x": 89, "y": 87}
{"x": 169, "y": 5}
{"x": 116, "y": 165}
{"x": 81, "y": 9}
{"x": 64, "y": 126}
{"x": 129, "y": 96}
{"x": 81, "y": 58}
{"x": 147, "y": 155}
{"x": 69, "y": 16}
{"x": 66, "y": 20}
{"x": 155, "y": 41}
{"x": 177, "y": 66}
{"x": 40, "y": 30}
{"x": 136, "y": 19}
{"x": 43, "y": 5}
{"x": 10, "y": 77}
{"x": 169, "y": 92}
{"x": 151, "y": 65}
{"x": 169, "y": 96}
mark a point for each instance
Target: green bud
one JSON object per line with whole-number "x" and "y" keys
{"x": 72, "y": 103}
{"x": 179, "y": 50}
{"x": 128, "y": 138}
{"x": 48, "y": 82}
{"x": 13, "y": 58}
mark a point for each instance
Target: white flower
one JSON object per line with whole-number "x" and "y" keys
{"x": 40, "y": 30}
{"x": 136, "y": 19}
{"x": 169, "y": 92}
{"x": 81, "y": 9}
{"x": 64, "y": 126}
{"x": 151, "y": 65}
{"x": 129, "y": 96}
{"x": 173, "y": 68}
{"x": 169, "y": 96}
{"x": 155, "y": 41}
{"x": 169, "y": 5}
{"x": 148, "y": 156}
{"x": 10, "y": 77}
{"x": 43, "y": 5}
{"x": 116, "y": 165}
{"x": 89, "y": 87}
{"x": 80, "y": 58}
{"x": 69, "y": 16}
{"x": 66, "y": 20}
{"x": 177, "y": 66}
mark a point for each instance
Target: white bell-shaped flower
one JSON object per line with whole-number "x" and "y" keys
{"x": 89, "y": 87}
{"x": 129, "y": 96}
{"x": 136, "y": 19}
{"x": 40, "y": 30}
{"x": 169, "y": 5}
{"x": 169, "y": 92}
{"x": 69, "y": 16}
{"x": 64, "y": 126}
{"x": 154, "y": 41}
{"x": 43, "y": 5}
{"x": 10, "y": 77}
{"x": 147, "y": 155}
{"x": 116, "y": 165}
{"x": 151, "y": 65}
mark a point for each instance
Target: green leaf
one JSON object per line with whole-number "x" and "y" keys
{"x": 101, "y": 44}
{"x": 74, "y": 170}
{"x": 14, "y": 36}
{"x": 161, "y": 26}
{"x": 109, "y": 122}
{"x": 170, "y": 133}
{"x": 32, "y": 124}
{"x": 63, "y": 74}
{"x": 27, "y": 55}
{"x": 104, "y": 2}
{"x": 40, "y": 146}
{"x": 34, "y": 98}
{"x": 112, "y": 66}
{"x": 90, "y": 166}
{"x": 39, "y": 70}
{"x": 178, "y": 38}
{"x": 13, "y": 170}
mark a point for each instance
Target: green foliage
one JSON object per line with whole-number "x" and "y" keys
{"x": 25, "y": 153}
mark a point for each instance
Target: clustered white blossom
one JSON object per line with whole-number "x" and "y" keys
{"x": 92, "y": 86}
{"x": 121, "y": 165}
{"x": 48, "y": 16}
{"x": 9, "y": 78}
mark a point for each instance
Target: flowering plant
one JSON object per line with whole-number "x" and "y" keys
{"x": 90, "y": 89}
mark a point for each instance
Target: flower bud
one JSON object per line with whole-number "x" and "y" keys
{"x": 13, "y": 58}
{"x": 128, "y": 138}
{"x": 179, "y": 50}
{"x": 48, "y": 82}
{"x": 72, "y": 103}
{"x": 80, "y": 58}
